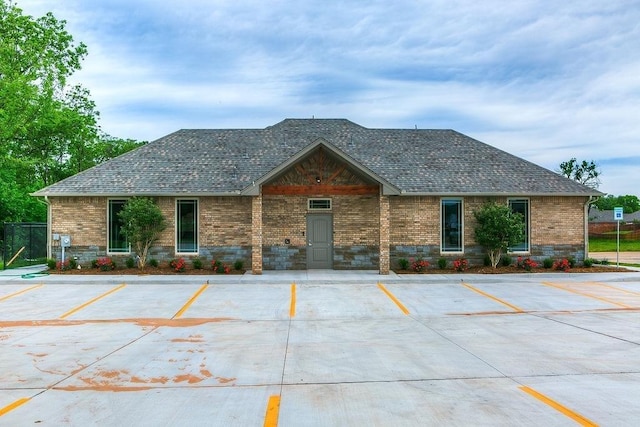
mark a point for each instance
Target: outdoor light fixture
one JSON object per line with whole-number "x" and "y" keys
{"x": 318, "y": 179}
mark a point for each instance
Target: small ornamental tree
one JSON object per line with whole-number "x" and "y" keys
{"x": 498, "y": 227}
{"x": 142, "y": 222}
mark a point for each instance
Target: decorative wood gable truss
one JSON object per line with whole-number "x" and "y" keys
{"x": 321, "y": 174}
{"x": 322, "y": 170}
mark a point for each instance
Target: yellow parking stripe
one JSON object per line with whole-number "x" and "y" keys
{"x": 393, "y": 298}
{"x": 584, "y": 294}
{"x": 558, "y": 407}
{"x": 191, "y": 300}
{"x": 496, "y": 299}
{"x": 292, "y": 307}
{"x": 626, "y": 291}
{"x": 13, "y": 405}
{"x": 80, "y": 307}
{"x": 273, "y": 410}
{"x": 20, "y": 292}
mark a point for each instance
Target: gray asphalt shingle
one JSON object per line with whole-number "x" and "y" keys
{"x": 226, "y": 161}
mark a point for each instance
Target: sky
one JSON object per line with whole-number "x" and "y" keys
{"x": 545, "y": 80}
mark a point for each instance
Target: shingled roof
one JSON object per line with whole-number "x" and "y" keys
{"x": 229, "y": 161}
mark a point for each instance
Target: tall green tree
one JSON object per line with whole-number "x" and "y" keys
{"x": 48, "y": 128}
{"x": 584, "y": 172}
{"x": 497, "y": 228}
{"x": 629, "y": 203}
{"x": 142, "y": 222}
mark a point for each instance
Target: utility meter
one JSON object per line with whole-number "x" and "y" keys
{"x": 65, "y": 241}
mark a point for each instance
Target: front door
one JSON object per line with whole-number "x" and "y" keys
{"x": 319, "y": 241}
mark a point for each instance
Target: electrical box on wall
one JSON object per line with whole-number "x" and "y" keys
{"x": 56, "y": 237}
{"x": 65, "y": 241}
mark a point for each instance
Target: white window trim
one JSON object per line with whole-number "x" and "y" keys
{"x": 175, "y": 222}
{"x": 310, "y": 209}
{"x": 527, "y": 252}
{"x": 461, "y": 252}
{"x": 108, "y": 222}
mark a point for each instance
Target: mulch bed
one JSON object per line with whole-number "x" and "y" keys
{"x": 471, "y": 270}
{"x": 516, "y": 270}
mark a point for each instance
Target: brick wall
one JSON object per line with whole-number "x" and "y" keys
{"x": 557, "y": 227}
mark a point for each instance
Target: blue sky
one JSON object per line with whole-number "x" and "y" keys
{"x": 544, "y": 80}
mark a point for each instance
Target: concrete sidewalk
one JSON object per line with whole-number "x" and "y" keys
{"x": 623, "y": 257}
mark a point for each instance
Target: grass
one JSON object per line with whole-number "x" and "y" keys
{"x": 609, "y": 245}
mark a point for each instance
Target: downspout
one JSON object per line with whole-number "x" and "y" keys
{"x": 586, "y": 225}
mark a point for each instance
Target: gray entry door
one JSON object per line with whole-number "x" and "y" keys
{"x": 319, "y": 241}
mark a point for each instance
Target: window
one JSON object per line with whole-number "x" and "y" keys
{"x": 521, "y": 206}
{"x": 187, "y": 226}
{"x": 451, "y": 217}
{"x": 319, "y": 204}
{"x": 116, "y": 241}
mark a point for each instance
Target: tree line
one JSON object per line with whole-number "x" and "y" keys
{"x": 48, "y": 128}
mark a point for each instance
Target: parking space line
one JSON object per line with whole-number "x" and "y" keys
{"x": 80, "y": 307}
{"x": 496, "y": 299}
{"x": 584, "y": 294}
{"x": 558, "y": 407}
{"x": 615, "y": 288}
{"x": 273, "y": 409}
{"x": 292, "y": 306}
{"x": 21, "y": 292}
{"x": 13, "y": 405}
{"x": 191, "y": 300}
{"x": 393, "y": 298}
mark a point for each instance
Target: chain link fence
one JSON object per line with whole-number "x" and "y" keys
{"x": 24, "y": 243}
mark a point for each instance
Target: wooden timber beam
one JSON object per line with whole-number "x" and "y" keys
{"x": 320, "y": 189}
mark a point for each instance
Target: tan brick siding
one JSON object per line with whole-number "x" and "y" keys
{"x": 414, "y": 220}
{"x": 557, "y": 220}
{"x": 355, "y": 220}
{"x": 554, "y": 220}
{"x": 224, "y": 221}
{"x": 83, "y": 218}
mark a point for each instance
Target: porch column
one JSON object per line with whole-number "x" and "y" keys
{"x": 256, "y": 234}
{"x": 384, "y": 234}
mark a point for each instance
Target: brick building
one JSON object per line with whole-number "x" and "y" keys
{"x": 318, "y": 194}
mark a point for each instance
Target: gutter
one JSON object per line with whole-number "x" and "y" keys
{"x": 586, "y": 224}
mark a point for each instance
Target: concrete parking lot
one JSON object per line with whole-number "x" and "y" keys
{"x": 320, "y": 349}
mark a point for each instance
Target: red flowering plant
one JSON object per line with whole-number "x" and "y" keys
{"x": 105, "y": 264}
{"x": 526, "y": 263}
{"x": 563, "y": 265}
{"x": 460, "y": 264}
{"x": 219, "y": 267}
{"x": 62, "y": 266}
{"x": 179, "y": 265}
{"x": 419, "y": 265}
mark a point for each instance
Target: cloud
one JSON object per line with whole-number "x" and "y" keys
{"x": 544, "y": 80}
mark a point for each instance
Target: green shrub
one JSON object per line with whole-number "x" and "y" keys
{"x": 403, "y": 263}
{"x": 572, "y": 262}
{"x": 73, "y": 264}
{"x": 238, "y": 265}
{"x": 507, "y": 260}
{"x": 130, "y": 262}
{"x": 588, "y": 262}
{"x": 153, "y": 262}
{"x": 51, "y": 263}
{"x": 197, "y": 263}
{"x": 604, "y": 262}
{"x": 442, "y": 263}
{"x": 547, "y": 262}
